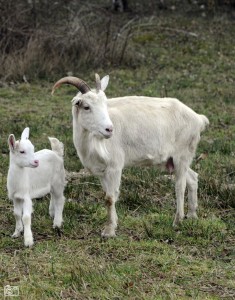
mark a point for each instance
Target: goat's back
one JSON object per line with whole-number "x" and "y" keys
{"x": 158, "y": 113}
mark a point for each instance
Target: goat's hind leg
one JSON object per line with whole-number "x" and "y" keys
{"x": 111, "y": 183}
{"x": 192, "y": 185}
{"x": 180, "y": 186}
{"x": 52, "y": 207}
{"x": 18, "y": 210}
{"x": 57, "y": 199}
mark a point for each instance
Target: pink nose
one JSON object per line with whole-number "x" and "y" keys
{"x": 36, "y": 161}
{"x": 109, "y": 129}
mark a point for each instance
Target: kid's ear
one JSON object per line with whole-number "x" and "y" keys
{"x": 25, "y": 134}
{"x": 12, "y": 142}
{"x": 104, "y": 82}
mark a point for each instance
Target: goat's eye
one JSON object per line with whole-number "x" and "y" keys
{"x": 22, "y": 152}
{"x": 86, "y": 107}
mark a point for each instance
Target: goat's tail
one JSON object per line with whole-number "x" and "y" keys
{"x": 57, "y": 146}
{"x": 204, "y": 121}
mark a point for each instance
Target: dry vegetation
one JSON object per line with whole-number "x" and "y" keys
{"x": 40, "y": 39}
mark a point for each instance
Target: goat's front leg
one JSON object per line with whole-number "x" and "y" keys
{"x": 111, "y": 182}
{"x": 192, "y": 185}
{"x": 180, "y": 186}
{"x": 18, "y": 209}
{"x": 27, "y": 211}
{"x": 111, "y": 225}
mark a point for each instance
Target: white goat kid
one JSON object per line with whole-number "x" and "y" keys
{"x": 33, "y": 175}
{"x": 110, "y": 134}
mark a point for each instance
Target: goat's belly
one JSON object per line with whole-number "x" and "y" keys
{"x": 144, "y": 161}
{"x": 162, "y": 162}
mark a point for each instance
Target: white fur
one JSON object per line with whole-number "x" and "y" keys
{"x": 146, "y": 131}
{"x": 33, "y": 175}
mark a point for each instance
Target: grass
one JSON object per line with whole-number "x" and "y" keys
{"x": 149, "y": 259}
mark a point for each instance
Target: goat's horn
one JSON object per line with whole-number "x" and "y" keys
{"x": 77, "y": 82}
{"x": 98, "y": 82}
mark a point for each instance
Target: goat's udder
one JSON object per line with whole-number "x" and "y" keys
{"x": 170, "y": 165}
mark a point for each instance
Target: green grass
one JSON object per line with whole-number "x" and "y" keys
{"x": 148, "y": 259}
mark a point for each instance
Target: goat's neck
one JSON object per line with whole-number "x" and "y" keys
{"x": 83, "y": 140}
{"x": 91, "y": 150}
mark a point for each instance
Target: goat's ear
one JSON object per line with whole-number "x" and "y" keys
{"x": 104, "y": 82}
{"x": 25, "y": 134}
{"x": 76, "y": 102}
{"x": 12, "y": 142}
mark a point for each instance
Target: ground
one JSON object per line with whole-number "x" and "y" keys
{"x": 191, "y": 58}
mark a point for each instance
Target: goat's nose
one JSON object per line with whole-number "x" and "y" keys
{"x": 36, "y": 161}
{"x": 109, "y": 129}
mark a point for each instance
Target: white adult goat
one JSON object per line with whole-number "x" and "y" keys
{"x": 110, "y": 134}
{"x": 33, "y": 175}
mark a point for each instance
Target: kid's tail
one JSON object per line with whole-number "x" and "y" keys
{"x": 57, "y": 146}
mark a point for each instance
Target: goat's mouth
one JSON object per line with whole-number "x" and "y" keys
{"x": 34, "y": 165}
{"x": 106, "y": 135}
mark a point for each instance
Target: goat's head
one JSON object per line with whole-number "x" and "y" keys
{"x": 91, "y": 105}
{"x": 22, "y": 151}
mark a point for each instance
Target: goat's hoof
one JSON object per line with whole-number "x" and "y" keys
{"x": 28, "y": 242}
{"x": 178, "y": 220}
{"x": 16, "y": 234}
{"x": 52, "y": 213}
{"x": 57, "y": 225}
{"x": 58, "y": 231}
{"x": 108, "y": 232}
{"x": 192, "y": 215}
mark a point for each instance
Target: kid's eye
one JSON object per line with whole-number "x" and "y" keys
{"x": 22, "y": 152}
{"x": 86, "y": 107}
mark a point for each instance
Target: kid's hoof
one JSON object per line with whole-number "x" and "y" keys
{"x": 16, "y": 234}
{"x": 192, "y": 215}
{"x": 28, "y": 242}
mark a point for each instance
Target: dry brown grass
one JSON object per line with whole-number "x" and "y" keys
{"x": 44, "y": 39}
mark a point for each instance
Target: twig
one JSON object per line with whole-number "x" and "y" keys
{"x": 151, "y": 26}
{"x": 124, "y": 46}
{"x": 180, "y": 31}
